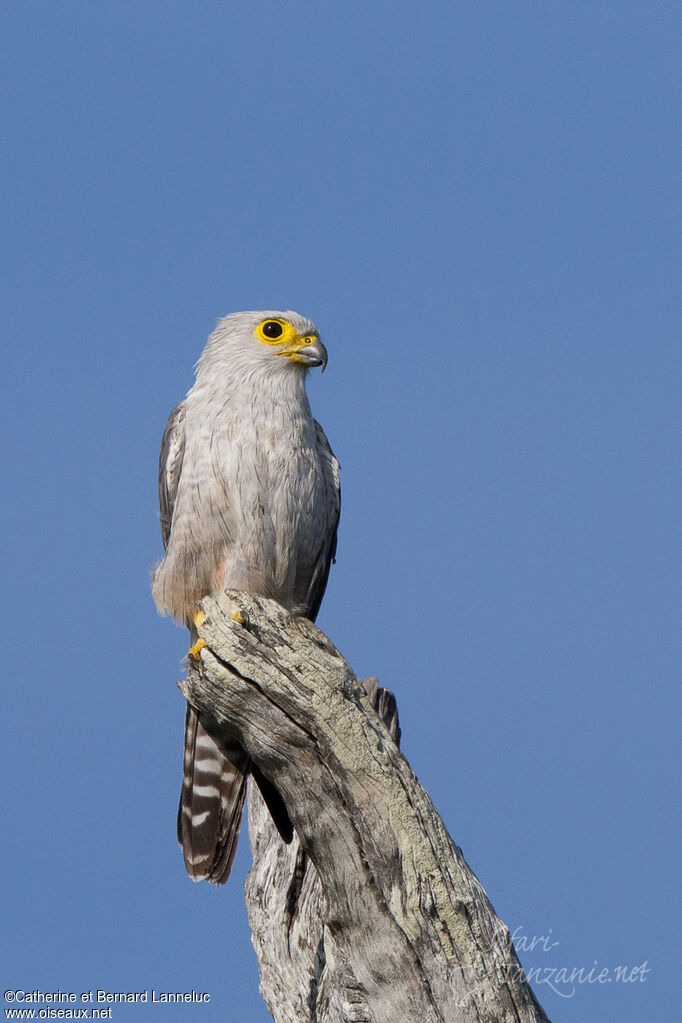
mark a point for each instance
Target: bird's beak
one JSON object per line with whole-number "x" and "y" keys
{"x": 308, "y": 354}
{"x": 314, "y": 354}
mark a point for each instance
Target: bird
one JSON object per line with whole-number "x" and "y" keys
{"x": 249, "y": 499}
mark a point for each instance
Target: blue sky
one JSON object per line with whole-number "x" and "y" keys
{"x": 478, "y": 204}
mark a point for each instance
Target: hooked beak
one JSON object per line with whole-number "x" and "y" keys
{"x": 313, "y": 354}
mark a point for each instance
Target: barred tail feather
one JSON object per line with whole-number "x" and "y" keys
{"x": 211, "y": 803}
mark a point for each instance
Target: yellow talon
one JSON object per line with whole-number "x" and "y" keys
{"x": 194, "y": 650}
{"x": 198, "y": 618}
{"x": 239, "y": 618}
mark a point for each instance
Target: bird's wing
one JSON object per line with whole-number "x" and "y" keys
{"x": 332, "y": 510}
{"x": 170, "y": 465}
{"x": 214, "y": 784}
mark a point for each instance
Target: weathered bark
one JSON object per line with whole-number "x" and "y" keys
{"x": 371, "y": 914}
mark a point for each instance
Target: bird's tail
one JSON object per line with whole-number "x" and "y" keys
{"x": 211, "y": 803}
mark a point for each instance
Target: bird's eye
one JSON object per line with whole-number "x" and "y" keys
{"x": 272, "y": 329}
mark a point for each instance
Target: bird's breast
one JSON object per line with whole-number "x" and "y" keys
{"x": 268, "y": 505}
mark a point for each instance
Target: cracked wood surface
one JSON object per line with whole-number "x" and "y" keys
{"x": 371, "y": 914}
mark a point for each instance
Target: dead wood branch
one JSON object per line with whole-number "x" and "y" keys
{"x": 371, "y": 914}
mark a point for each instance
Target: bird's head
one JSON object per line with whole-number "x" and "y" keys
{"x": 269, "y": 340}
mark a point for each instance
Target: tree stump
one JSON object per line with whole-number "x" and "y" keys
{"x": 371, "y": 913}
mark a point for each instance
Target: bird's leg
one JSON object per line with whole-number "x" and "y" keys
{"x": 194, "y": 650}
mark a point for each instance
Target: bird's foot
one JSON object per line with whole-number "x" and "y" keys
{"x": 195, "y": 650}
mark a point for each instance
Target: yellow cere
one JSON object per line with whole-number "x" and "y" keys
{"x": 282, "y": 334}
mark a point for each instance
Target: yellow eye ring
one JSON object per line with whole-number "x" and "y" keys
{"x": 274, "y": 332}
{"x": 271, "y": 330}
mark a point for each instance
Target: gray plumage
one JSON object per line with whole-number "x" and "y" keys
{"x": 249, "y": 499}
